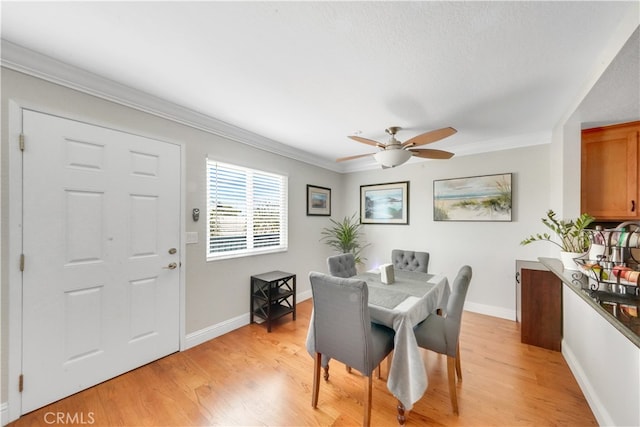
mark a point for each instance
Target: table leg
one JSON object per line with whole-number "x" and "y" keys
{"x": 401, "y": 417}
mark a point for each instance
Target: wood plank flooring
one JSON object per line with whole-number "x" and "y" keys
{"x": 250, "y": 377}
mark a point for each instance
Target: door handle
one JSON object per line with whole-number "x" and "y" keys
{"x": 171, "y": 266}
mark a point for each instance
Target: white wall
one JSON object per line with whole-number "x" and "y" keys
{"x": 565, "y": 168}
{"x": 490, "y": 248}
{"x": 605, "y": 363}
{"x": 217, "y": 293}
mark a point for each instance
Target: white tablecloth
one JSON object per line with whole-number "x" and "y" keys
{"x": 401, "y": 306}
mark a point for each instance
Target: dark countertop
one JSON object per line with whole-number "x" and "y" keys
{"x": 616, "y": 309}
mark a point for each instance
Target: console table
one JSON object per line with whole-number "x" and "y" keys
{"x": 273, "y": 295}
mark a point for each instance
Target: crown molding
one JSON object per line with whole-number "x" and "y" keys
{"x": 23, "y": 60}
{"x": 26, "y": 61}
{"x": 505, "y": 143}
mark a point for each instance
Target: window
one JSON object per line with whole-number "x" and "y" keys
{"x": 246, "y": 210}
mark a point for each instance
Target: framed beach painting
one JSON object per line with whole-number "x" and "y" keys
{"x": 318, "y": 201}
{"x": 384, "y": 203}
{"x": 476, "y": 198}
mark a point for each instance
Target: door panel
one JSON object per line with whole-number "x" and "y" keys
{"x": 101, "y": 210}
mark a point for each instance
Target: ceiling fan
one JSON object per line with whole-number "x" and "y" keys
{"x": 395, "y": 153}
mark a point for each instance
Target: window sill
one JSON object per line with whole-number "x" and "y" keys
{"x": 244, "y": 254}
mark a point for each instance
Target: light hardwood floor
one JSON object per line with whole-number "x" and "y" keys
{"x": 250, "y": 377}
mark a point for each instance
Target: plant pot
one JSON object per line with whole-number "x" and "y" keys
{"x": 568, "y": 258}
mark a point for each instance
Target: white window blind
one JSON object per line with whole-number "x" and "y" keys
{"x": 246, "y": 210}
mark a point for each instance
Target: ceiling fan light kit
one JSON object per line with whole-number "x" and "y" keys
{"x": 395, "y": 153}
{"x": 392, "y": 158}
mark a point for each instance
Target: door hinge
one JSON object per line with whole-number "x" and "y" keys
{"x": 21, "y": 262}
{"x": 21, "y": 383}
{"x": 21, "y": 141}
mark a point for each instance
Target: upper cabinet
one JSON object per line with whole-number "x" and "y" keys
{"x": 610, "y": 172}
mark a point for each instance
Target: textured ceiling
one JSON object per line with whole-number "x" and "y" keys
{"x": 307, "y": 74}
{"x": 616, "y": 96}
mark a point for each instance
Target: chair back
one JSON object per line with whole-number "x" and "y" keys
{"x": 410, "y": 260}
{"x": 342, "y": 326}
{"x": 455, "y": 306}
{"x": 343, "y": 265}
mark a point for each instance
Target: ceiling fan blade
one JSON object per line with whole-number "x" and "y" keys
{"x": 429, "y": 137}
{"x": 367, "y": 141}
{"x": 427, "y": 153}
{"x": 344, "y": 159}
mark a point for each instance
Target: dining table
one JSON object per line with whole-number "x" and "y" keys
{"x": 401, "y": 305}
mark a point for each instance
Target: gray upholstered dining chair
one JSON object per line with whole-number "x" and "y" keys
{"x": 442, "y": 333}
{"x": 410, "y": 260}
{"x": 343, "y": 265}
{"x": 343, "y": 331}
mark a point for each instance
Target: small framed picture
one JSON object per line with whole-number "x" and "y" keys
{"x": 318, "y": 201}
{"x": 385, "y": 203}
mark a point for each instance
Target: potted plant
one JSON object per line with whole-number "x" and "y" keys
{"x": 345, "y": 236}
{"x": 572, "y": 235}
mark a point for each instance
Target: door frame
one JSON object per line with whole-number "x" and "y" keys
{"x": 14, "y": 306}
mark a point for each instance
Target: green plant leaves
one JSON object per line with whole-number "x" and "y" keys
{"x": 572, "y": 234}
{"x": 345, "y": 236}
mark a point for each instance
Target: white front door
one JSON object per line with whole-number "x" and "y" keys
{"x": 101, "y": 218}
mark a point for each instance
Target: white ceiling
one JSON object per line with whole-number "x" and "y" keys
{"x": 307, "y": 74}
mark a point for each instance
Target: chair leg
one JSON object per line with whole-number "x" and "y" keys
{"x": 458, "y": 368}
{"x": 316, "y": 379}
{"x": 389, "y": 358}
{"x": 348, "y": 368}
{"x": 368, "y": 385}
{"x": 326, "y": 372}
{"x": 451, "y": 361}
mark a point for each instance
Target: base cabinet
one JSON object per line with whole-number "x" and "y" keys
{"x": 540, "y": 307}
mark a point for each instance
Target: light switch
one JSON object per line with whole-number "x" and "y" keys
{"x": 191, "y": 237}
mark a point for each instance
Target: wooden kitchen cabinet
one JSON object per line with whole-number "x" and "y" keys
{"x": 610, "y": 172}
{"x": 541, "y": 324}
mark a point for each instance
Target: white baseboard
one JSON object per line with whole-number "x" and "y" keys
{"x": 4, "y": 413}
{"x": 303, "y": 296}
{"x": 490, "y": 310}
{"x": 203, "y": 335}
{"x": 195, "y": 338}
{"x": 590, "y": 393}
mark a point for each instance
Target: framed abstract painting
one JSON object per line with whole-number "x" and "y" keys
{"x": 475, "y": 198}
